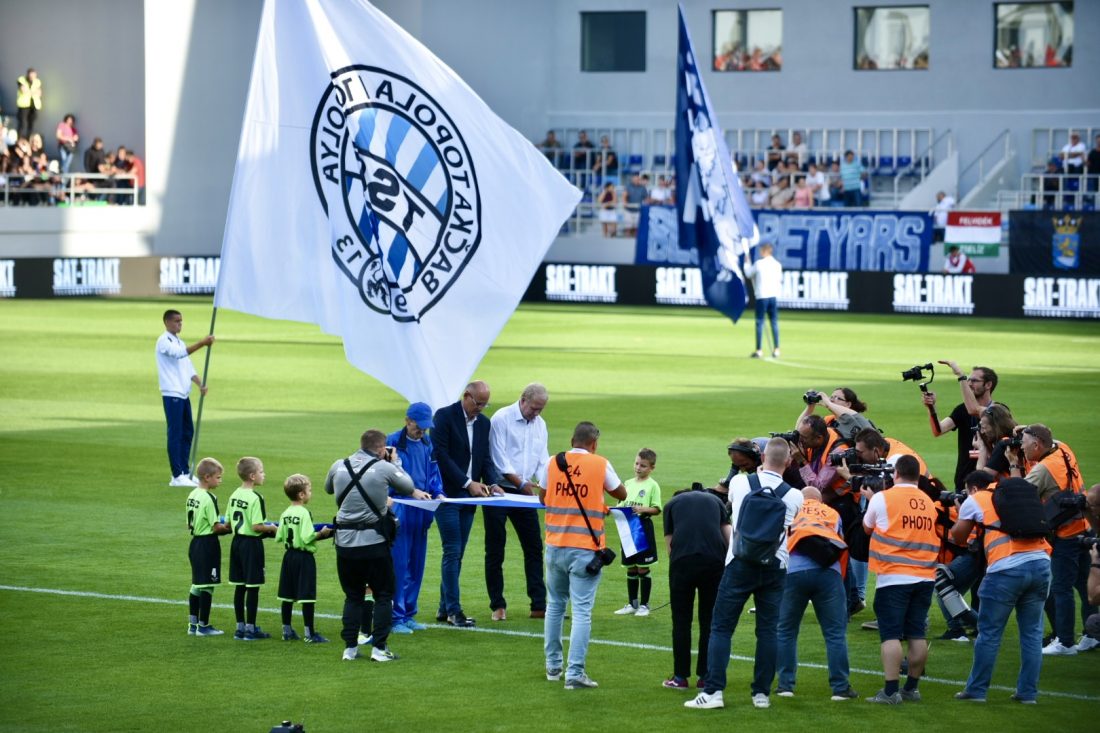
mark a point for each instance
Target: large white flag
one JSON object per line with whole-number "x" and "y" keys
{"x": 376, "y": 195}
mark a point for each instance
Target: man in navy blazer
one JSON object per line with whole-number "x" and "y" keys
{"x": 460, "y": 442}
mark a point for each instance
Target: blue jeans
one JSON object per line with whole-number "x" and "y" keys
{"x": 567, "y": 579}
{"x": 409, "y": 552}
{"x": 967, "y": 569}
{"x": 177, "y": 412}
{"x": 454, "y": 524}
{"x": 739, "y": 581}
{"x": 769, "y": 307}
{"x": 1069, "y": 571}
{"x": 1025, "y": 589}
{"x": 66, "y": 158}
{"x": 856, "y": 582}
{"x": 826, "y": 589}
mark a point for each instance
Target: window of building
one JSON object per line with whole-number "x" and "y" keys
{"x": 1033, "y": 35}
{"x": 613, "y": 41}
{"x": 748, "y": 40}
{"x": 894, "y": 37}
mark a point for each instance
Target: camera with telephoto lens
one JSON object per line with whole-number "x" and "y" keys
{"x": 874, "y": 476}
{"x": 812, "y": 397}
{"x": 791, "y": 437}
{"x": 850, "y": 456}
{"x": 916, "y": 374}
{"x": 603, "y": 558}
{"x": 951, "y": 497}
{"x": 1089, "y": 541}
{"x": 1076, "y": 501}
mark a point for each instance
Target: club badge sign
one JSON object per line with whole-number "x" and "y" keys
{"x": 399, "y": 188}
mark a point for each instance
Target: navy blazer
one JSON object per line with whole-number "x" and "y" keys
{"x": 451, "y": 448}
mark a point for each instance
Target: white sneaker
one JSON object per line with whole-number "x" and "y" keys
{"x": 627, "y": 610}
{"x": 760, "y": 700}
{"x": 364, "y": 639}
{"x": 351, "y": 654}
{"x": 1057, "y": 649}
{"x": 183, "y": 480}
{"x": 1087, "y": 644}
{"x": 382, "y": 655}
{"x": 580, "y": 683}
{"x": 703, "y": 701}
{"x": 643, "y": 610}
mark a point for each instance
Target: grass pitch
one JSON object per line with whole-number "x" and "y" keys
{"x": 83, "y": 477}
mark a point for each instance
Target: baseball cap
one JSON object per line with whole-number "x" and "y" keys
{"x": 420, "y": 412}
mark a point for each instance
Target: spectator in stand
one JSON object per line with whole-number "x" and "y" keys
{"x": 781, "y": 194}
{"x": 124, "y": 164}
{"x": 635, "y": 196}
{"x": 606, "y": 163}
{"x": 956, "y": 262}
{"x": 759, "y": 195}
{"x": 1093, "y": 165}
{"x": 775, "y": 151}
{"x": 28, "y": 101}
{"x": 818, "y": 184}
{"x": 1050, "y": 185}
{"x": 608, "y": 203}
{"x": 799, "y": 148}
{"x": 137, "y": 169}
{"x": 551, "y": 148}
{"x": 803, "y": 194}
{"x": 67, "y": 139}
{"x": 1073, "y": 155}
{"x": 852, "y": 174}
{"x": 836, "y": 186}
{"x": 582, "y": 158}
{"x": 761, "y": 174}
{"x": 37, "y": 145}
{"x": 660, "y": 194}
{"x": 944, "y": 203}
{"x": 95, "y": 161}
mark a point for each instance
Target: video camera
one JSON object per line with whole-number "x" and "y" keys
{"x": 791, "y": 437}
{"x": 874, "y": 476}
{"x": 812, "y": 397}
{"x": 850, "y": 456}
{"x": 917, "y": 373}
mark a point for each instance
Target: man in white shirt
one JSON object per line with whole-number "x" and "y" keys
{"x": 1073, "y": 155}
{"x": 944, "y": 203}
{"x": 743, "y": 578}
{"x": 176, "y": 373}
{"x": 517, "y": 443}
{"x": 767, "y": 284}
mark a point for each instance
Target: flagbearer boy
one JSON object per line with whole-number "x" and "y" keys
{"x": 298, "y": 577}
{"x": 643, "y": 495}
{"x": 205, "y": 552}
{"x": 248, "y": 520}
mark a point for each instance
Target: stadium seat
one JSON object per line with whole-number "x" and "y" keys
{"x": 1073, "y": 184}
{"x": 634, "y": 164}
{"x": 885, "y": 166}
{"x": 905, "y": 161}
{"x": 658, "y": 161}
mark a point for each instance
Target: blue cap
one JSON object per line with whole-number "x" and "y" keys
{"x": 420, "y": 412}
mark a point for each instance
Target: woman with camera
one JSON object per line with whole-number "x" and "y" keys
{"x": 847, "y": 410}
{"x": 993, "y": 438}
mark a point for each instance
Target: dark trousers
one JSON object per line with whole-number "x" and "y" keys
{"x": 26, "y": 117}
{"x": 177, "y": 412}
{"x": 373, "y": 567}
{"x": 526, "y": 523}
{"x": 739, "y": 581}
{"x": 686, "y": 576}
{"x": 1069, "y": 572}
{"x": 454, "y": 523}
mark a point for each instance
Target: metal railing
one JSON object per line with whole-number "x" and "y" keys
{"x": 1047, "y": 142}
{"x": 1002, "y": 144}
{"x": 70, "y": 189}
{"x": 1061, "y": 192}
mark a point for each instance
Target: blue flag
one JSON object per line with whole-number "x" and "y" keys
{"x": 713, "y": 213}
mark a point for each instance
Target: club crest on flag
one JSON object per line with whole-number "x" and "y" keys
{"x": 398, "y": 185}
{"x": 1066, "y": 242}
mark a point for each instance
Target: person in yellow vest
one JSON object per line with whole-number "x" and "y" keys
{"x": 1052, "y": 467}
{"x": 815, "y": 573}
{"x": 1017, "y": 577}
{"x": 902, "y": 523}
{"x": 575, "y": 510}
{"x": 28, "y": 101}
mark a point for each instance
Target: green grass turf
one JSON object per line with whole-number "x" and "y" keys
{"x": 83, "y": 489}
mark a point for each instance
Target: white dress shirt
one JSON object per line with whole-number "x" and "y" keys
{"x": 518, "y": 446}
{"x": 174, "y": 367}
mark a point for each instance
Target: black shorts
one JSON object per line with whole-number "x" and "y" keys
{"x": 205, "y": 554}
{"x": 246, "y": 560}
{"x": 646, "y": 557}
{"x": 902, "y": 610}
{"x": 298, "y": 577}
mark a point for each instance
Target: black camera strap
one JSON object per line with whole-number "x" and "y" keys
{"x": 563, "y": 466}
{"x": 355, "y": 478}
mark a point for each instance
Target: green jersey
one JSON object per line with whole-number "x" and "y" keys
{"x": 296, "y": 529}
{"x": 246, "y": 508}
{"x": 642, "y": 493}
{"x": 202, "y": 512}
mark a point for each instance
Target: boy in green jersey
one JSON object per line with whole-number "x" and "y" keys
{"x": 248, "y": 520}
{"x": 298, "y": 577}
{"x": 643, "y": 495}
{"x": 205, "y": 552}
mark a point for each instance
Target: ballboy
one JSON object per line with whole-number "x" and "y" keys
{"x": 643, "y": 494}
{"x": 298, "y": 577}
{"x": 247, "y": 519}
{"x": 205, "y": 552}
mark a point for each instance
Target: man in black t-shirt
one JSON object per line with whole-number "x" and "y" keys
{"x": 977, "y": 392}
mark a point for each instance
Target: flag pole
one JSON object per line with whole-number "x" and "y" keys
{"x": 202, "y": 397}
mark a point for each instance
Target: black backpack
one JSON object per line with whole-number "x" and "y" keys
{"x": 1021, "y": 511}
{"x": 761, "y": 523}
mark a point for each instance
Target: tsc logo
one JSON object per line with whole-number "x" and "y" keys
{"x": 396, "y": 181}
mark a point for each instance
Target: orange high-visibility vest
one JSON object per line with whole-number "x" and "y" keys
{"x": 999, "y": 545}
{"x": 909, "y": 545}
{"x": 816, "y": 519}
{"x": 897, "y": 448}
{"x": 565, "y": 526}
{"x": 1062, "y": 464}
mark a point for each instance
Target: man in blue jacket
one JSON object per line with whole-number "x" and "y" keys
{"x": 410, "y": 549}
{"x": 460, "y": 439}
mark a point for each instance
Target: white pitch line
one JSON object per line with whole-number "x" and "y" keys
{"x": 524, "y": 634}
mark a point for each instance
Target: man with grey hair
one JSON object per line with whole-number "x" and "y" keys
{"x": 517, "y": 443}
{"x": 361, "y": 483}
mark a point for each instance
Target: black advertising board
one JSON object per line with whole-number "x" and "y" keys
{"x": 1054, "y": 243}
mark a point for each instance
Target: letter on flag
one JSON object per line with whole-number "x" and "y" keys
{"x": 376, "y": 195}
{"x": 713, "y": 212}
